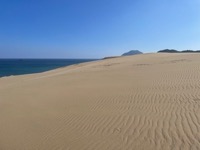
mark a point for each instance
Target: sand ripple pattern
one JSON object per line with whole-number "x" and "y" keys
{"x": 144, "y": 102}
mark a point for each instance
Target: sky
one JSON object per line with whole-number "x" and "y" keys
{"x": 96, "y": 28}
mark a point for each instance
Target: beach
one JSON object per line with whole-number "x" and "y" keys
{"x": 140, "y": 102}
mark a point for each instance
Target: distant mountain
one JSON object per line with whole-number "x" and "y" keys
{"x": 176, "y": 51}
{"x": 168, "y": 51}
{"x": 132, "y": 52}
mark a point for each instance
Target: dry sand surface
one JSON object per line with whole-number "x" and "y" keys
{"x": 143, "y": 102}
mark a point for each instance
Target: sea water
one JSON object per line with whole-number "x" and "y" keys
{"x": 10, "y": 67}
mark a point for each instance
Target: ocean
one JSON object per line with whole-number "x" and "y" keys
{"x": 10, "y": 67}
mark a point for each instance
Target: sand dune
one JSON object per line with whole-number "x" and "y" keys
{"x": 142, "y": 102}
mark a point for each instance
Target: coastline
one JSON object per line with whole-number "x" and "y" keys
{"x": 14, "y": 67}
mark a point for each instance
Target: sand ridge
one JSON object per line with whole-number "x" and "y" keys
{"x": 149, "y": 101}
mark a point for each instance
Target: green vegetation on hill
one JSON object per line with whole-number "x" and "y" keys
{"x": 176, "y": 51}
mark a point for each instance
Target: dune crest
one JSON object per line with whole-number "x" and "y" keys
{"x": 149, "y": 101}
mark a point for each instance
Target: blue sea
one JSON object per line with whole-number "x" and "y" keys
{"x": 10, "y": 67}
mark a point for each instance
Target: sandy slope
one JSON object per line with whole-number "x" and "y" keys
{"x": 149, "y": 102}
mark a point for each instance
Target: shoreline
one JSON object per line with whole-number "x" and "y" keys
{"x": 12, "y": 75}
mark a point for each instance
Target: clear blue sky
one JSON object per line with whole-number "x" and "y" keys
{"x": 96, "y": 28}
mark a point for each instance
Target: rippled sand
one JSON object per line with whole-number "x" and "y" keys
{"x": 143, "y": 102}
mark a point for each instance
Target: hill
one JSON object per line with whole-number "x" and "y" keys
{"x": 176, "y": 51}
{"x": 132, "y": 52}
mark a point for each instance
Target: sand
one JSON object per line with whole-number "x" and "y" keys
{"x": 141, "y": 102}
